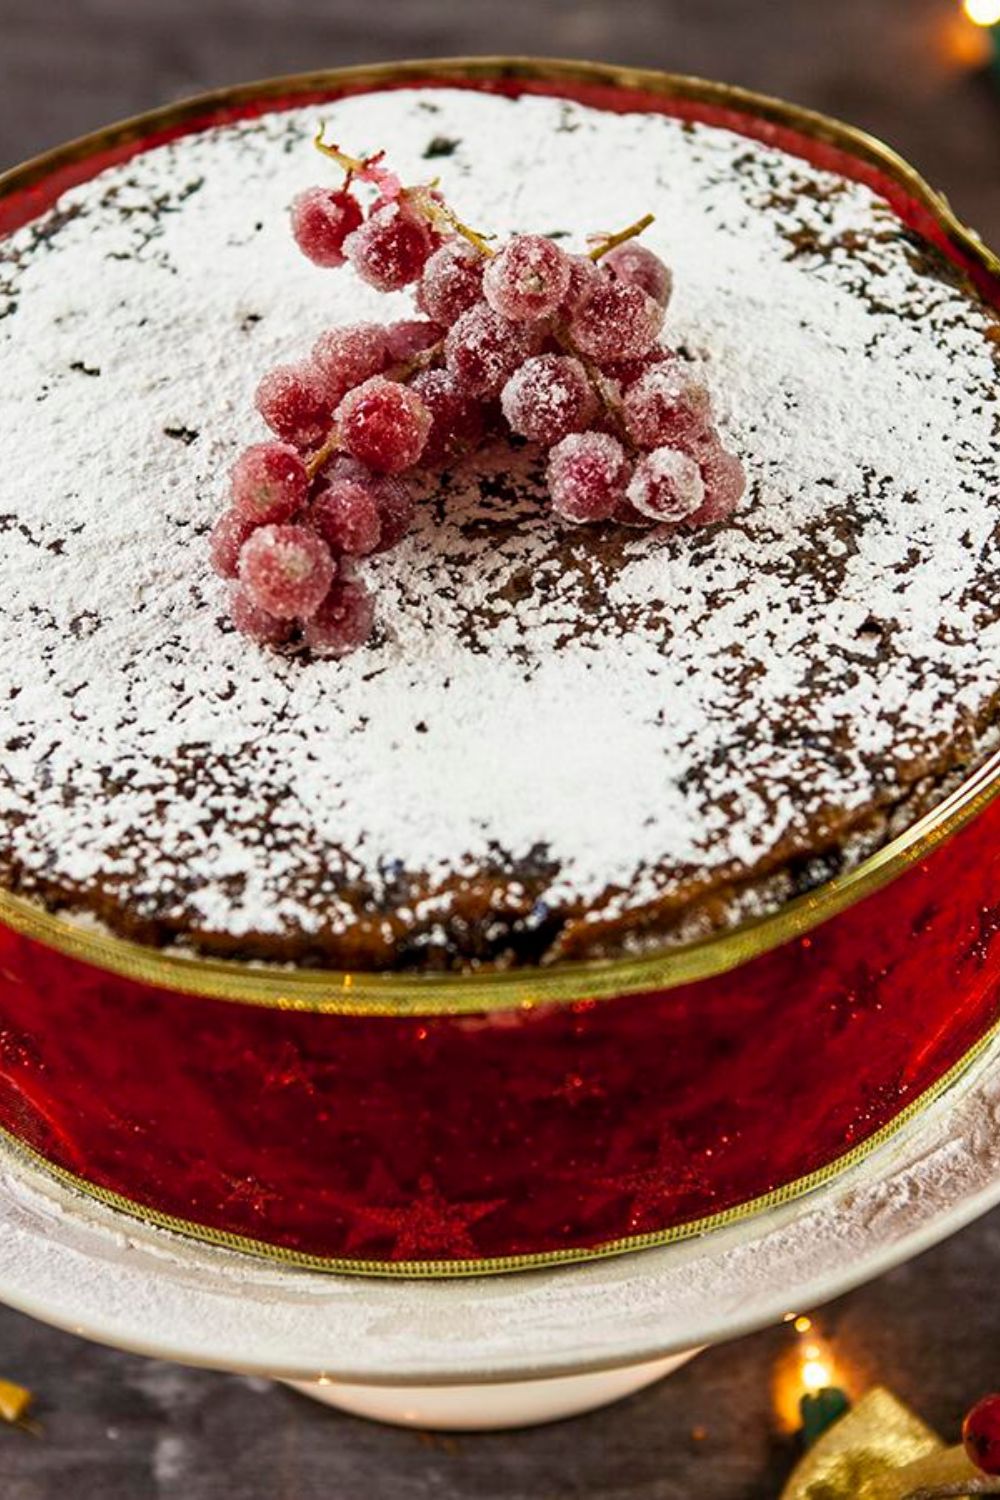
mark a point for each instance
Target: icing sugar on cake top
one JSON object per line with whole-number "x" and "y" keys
{"x": 555, "y": 734}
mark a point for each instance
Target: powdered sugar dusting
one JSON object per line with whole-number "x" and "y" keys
{"x": 600, "y": 723}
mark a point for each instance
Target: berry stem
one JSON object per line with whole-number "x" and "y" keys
{"x": 441, "y": 216}
{"x": 609, "y": 241}
{"x": 323, "y": 454}
{"x": 350, "y": 164}
{"x": 438, "y": 214}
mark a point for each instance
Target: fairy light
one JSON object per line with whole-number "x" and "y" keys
{"x": 982, "y": 12}
{"x": 970, "y": 35}
{"x": 808, "y": 1385}
{"x": 816, "y": 1375}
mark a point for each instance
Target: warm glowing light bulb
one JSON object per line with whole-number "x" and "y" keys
{"x": 815, "y": 1375}
{"x": 803, "y": 1325}
{"x": 983, "y": 12}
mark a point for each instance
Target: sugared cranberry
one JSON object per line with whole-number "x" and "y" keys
{"x": 627, "y": 371}
{"x": 343, "y": 621}
{"x": 393, "y": 497}
{"x": 346, "y": 515}
{"x": 396, "y": 510}
{"x": 527, "y": 279}
{"x": 344, "y": 357}
{"x": 666, "y": 486}
{"x": 583, "y": 272}
{"x": 587, "y": 475}
{"x": 483, "y": 349}
{"x": 410, "y": 337}
{"x": 392, "y": 246}
{"x": 451, "y": 283}
{"x": 457, "y": 419}
{"x": 665, "y": 406}
{"x": 322, "y": 218}
{"x": 615, "y": 321}
{"x": 269, "y": 482}
{"x": 548, "y": 398}
{"x": 252, "y": 621}
{"x": 293, "y": 403}
{"x": 725, "y": 481}
{"x": 226, "y": 541}
{"x": 638, "y": 266}
{"x": 286, "y": 570}
{"x": 383, "y": 424}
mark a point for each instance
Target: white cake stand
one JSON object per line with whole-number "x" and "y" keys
{"x": 496, "y": 1351}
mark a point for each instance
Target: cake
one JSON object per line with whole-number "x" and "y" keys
{"x": 669, "y": 753}
{"x": 559, "y": 743}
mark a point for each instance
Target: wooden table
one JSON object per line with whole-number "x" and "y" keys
{"x": 120, "y": 1428}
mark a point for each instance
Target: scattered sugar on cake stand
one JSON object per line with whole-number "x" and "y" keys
{"x": 503, "y": 1351}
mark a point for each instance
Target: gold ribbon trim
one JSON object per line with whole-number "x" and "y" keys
{"x": 496, "y": 1265}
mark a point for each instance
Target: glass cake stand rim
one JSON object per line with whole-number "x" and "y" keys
{"x": 95, "y": 1272}
{"x": 363, "y": 993}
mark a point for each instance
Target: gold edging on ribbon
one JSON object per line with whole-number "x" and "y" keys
{"x": 333, "y": 993}
{"x": 376, "y": 994}
{"x": 496, "y": 1265}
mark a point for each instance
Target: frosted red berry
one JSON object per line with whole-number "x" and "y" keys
{"x": 226, "y": 541}
{"x": 294, "y": 405}
{"x": 391, "y": 248}
{"x": 343, "y": 621}
{"x": 725, "y": 481}
{"x": 483, "y": 349}
{"x": 527, "y": 279}
{"x": 639, "y": 266}
{"x": 322, "y": 218}
{"x": 457, "y": 419}
{"x": 410, "y": 337}
{"x": 627, "y": 371}
{"x": 345, "y": 513}
{"x": 286, "y": 570}
{"x": 587, "y": 476}
{"x": 344, "y": 357}
{"x": 393, "y": 498}
{"x": 583, "y": 272}
{"x": 981, "y": 1434}
{"x": 666, "y": 405}
{"x": 452, "y": 281}
{"x": 255, "y": 623}
{"x": 548, "y": 398}
{"x": 269, "y": 482}
{"x": 396, "y": 510}
{"x": 383, "y": 424}
{"x": 615, "y": 321}
{"x": 666, "y": 485}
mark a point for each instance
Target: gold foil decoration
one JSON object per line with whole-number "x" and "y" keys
{"x": 15, "y": 1403}
{"x": 882, "y": 1451}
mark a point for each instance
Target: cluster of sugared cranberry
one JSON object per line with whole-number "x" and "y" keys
{"x": 562, "y": 347}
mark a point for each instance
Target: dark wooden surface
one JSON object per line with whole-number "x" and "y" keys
{"x": 121, "y": 1428}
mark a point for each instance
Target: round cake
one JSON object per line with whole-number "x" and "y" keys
{"x": 626, "y": 881}
{"x": 562, "y": 741}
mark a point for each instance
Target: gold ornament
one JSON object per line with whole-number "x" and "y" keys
{"x": 882, "y": 1451}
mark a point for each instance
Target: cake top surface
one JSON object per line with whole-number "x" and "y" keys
{"x": 555, "y": 729}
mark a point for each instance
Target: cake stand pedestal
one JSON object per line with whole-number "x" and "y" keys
{"x": 506, "y": 1350}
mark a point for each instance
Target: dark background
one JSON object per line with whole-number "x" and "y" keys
{"x": 119, "y": 1428}
{"x": 67, "y": 66}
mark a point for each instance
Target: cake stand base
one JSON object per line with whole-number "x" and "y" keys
{"x": 495, "y": 1351}
{"x": 488, "y": 1408}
